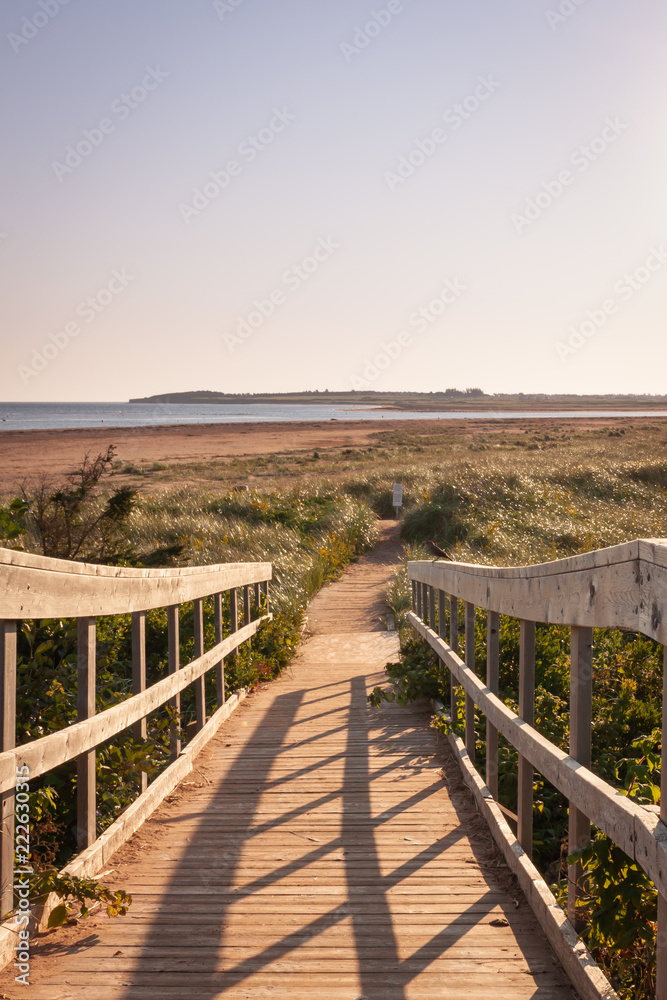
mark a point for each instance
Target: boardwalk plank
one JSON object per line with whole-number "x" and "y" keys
{"x": 315, "y": 853}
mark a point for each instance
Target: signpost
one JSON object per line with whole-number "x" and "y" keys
{"x": 398, "y": 498}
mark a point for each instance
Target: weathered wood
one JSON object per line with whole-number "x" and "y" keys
{"x": 200, "y": 688}
{"x": 492, "y": 665}
{"x": 42, "y": 755}
{"x": 246, "y": 605}
{"x": 173, "y": 639}
{"x": 220, "y": 666}
{"x": 41, "y": 587}
{"x": 233, "y": 614}
{"x": 86, "y": 826}
{"x": 581, "y": 712}
{"x": 635, "y": 829}
{"x": 350, "y": 828}
{"x": 442, "y": 625}
{"x": 527, "y": 713}
{"x": 139, "y": 678}
{"x": 454, "y": 643}
{"x": 233, "y": 610}
{"x": 585, "y": 974}
{"x": 609, "y": 588}
{"x": 442, "y": 614}
{"x": 470, "y": 662}
{"x": 661, "y": 950}
{"x": 8, "y": 738}
{"x": 90, "y": 861}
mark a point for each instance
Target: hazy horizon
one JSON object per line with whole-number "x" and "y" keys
{"x": 397, "y": 196}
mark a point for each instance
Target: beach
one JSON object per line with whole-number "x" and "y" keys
{"x": 25, "y": 455}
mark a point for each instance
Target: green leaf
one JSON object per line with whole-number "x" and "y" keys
{"x": 59, "y": 916}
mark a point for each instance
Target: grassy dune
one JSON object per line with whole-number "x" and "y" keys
{"x": 518, "y": 493}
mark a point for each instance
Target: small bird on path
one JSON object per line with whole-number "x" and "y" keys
{"x": 436, "y": 551}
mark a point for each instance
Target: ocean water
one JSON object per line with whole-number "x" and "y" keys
{"x": 43, "y": 416}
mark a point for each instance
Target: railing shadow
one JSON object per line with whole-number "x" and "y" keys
{"x": 213, "y": 854}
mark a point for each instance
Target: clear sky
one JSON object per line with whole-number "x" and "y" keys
{"x": 242, "y": 195}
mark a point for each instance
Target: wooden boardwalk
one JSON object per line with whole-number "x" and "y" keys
{"x": 317, "y": 854}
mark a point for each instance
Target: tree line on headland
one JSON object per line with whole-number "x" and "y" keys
{"x": 448, "y": 399}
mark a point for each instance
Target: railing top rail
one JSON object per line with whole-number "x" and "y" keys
{"x": 34, "y": 586}
{"x": 43, "y": 754}
{"x": 623, "y": 586}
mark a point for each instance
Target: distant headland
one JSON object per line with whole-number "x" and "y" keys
{"x": 448, "y": 399}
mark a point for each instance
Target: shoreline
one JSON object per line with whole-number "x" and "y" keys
{"x": 27, "y": 454}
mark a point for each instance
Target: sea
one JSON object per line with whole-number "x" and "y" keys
{"x": 47, "y": 416}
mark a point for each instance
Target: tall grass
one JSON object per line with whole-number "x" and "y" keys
{"x": 308, "y": 536}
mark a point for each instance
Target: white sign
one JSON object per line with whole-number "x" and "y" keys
{"x": 398, "y": 495}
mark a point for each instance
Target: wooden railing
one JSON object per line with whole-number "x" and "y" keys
{"x": 622, "y": 587}
{"x": 34, "y": 587}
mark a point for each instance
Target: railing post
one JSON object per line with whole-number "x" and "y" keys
{"x": 661, "y": 941}
{"x": 442, "y": 625}
{"x": 85, "y": 763}
{"x": 431, "y": 607}
{"x": 233, "y": 610}
{"x": 174, "y": 666}
{"x": 246, "y": 605}
{"x": 581, "y": 709}
{"x": 139, "y": 678}
{"x": 220, "y": 669}
{"x": 492, "y": 662}
{"x": 454, "y": 644}
{"x": 200, "y": 683}
{"x": 527, "y": 713}
{"x": 8, "y": 739}
{"x": 233, "y": 616}
{"x": 470, "y": 663}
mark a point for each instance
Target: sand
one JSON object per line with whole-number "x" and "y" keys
{"x": 26, "y": 454}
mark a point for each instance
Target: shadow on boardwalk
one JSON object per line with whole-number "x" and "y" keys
{"x": 215, "y": 853}
{"x": 321, "y": 856}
